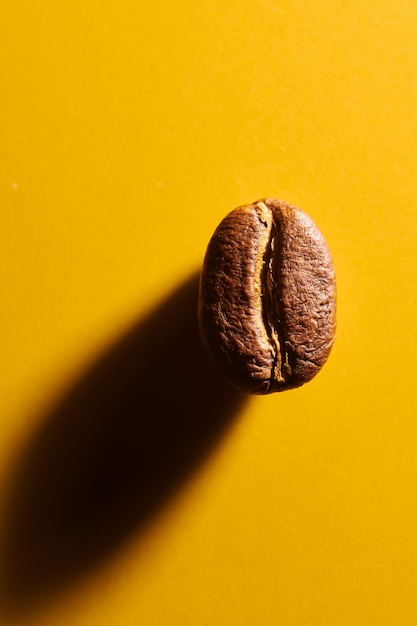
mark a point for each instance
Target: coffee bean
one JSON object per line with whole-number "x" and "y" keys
{"x": 267, "y": 297}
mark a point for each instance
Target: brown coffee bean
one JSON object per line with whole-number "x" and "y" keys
{"x": 267, "y": 297}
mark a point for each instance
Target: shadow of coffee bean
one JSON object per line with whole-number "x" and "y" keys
{"x": 108, "y": 456}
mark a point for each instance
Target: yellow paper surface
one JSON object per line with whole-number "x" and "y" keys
{"x": 135, "y": 488}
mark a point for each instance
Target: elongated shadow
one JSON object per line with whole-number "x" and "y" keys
{"x": 111, "y": 452}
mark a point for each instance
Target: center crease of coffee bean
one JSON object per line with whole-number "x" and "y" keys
{"x": 272, "y": 307}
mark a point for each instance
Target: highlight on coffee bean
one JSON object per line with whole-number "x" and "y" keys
{"x": 267, "y": 298}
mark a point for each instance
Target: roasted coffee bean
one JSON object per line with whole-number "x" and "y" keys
{"x": 267, "y": 297}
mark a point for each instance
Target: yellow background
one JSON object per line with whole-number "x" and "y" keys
{"x": 128, "y": 130}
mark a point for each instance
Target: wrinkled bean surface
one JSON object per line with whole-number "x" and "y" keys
{"x": 267, "y": 297}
